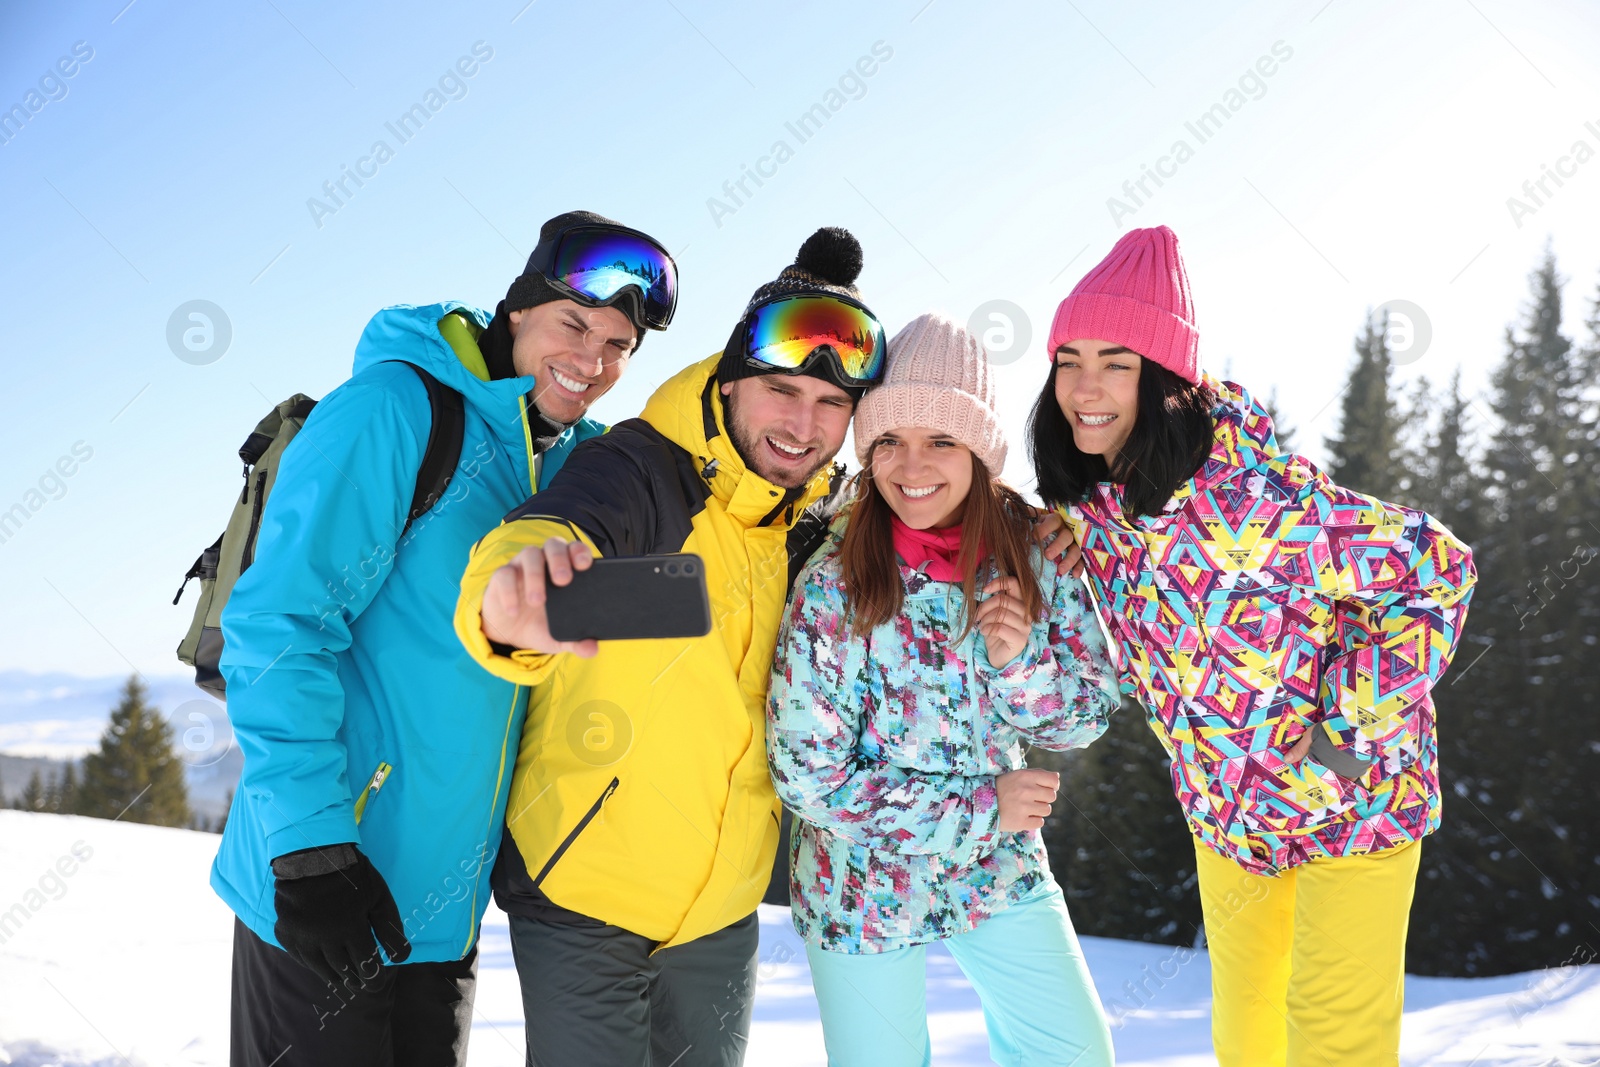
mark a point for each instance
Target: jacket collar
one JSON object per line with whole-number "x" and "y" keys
{"x": 688, "y": 409}
{"x": 1242, "y": 440}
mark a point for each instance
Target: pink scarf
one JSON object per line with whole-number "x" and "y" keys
{"x": 939, "y": 548}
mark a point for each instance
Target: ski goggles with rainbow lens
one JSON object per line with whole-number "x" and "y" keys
{"x": 595, "y": 265}
{"x": 787, "y": 333}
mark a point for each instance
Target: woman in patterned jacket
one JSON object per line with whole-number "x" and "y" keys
{"x": 927, "y": 645}
{"x": 1285, "y": 635}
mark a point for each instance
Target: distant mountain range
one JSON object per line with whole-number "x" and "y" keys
{"x": 47, "y": 719}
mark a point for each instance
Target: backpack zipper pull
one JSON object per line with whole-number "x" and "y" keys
{"x": 195, "y": 571}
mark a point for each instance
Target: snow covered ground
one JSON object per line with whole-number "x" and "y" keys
{"x": 113, "y": 950}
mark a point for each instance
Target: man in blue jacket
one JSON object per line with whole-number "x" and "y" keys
{"x": 377, "y": 755}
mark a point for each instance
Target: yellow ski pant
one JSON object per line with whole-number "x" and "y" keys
{"x": 1308, "y": 968}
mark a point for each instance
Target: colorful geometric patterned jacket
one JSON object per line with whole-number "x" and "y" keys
{"x": 886, "y": 747}
{"x": 1264, "y": 601}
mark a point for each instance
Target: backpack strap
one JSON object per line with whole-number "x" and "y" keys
{"x": 443, "y": 453}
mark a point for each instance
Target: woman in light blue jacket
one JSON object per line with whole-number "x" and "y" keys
{"x": 927, "y": 645}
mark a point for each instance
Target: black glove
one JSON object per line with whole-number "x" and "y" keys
{"x": 331, "y": 903}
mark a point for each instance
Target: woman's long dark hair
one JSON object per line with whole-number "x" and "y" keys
{"x": 1171, "y": 438}
{"x": 994, "y": 517}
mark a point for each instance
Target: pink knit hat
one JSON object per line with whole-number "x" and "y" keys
{"x": 937, "y": 378}
{"x": 1138, "y": 297}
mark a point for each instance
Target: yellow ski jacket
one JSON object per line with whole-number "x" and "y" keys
{"x": 641, "y": 795}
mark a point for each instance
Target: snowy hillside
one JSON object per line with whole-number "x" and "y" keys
{"x": 113, "y": 949}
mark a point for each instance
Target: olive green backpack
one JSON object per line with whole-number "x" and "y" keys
{"x": 220, "y": 565}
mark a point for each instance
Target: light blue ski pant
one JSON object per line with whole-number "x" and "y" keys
{"x": 1039, "y": 1002}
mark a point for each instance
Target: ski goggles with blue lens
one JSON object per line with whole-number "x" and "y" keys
{"x": 595, "y": 265}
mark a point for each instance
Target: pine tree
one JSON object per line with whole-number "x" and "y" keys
{"x": 1587, "y": 361}
{"x": 1450, "y": 488}
{"x": 66, "y": 798}
{"x": 1507, "y": 883}
{"x": 135, "y": 774}
{"x": 1365, "y": 454}
{"x": 33, "y": 794}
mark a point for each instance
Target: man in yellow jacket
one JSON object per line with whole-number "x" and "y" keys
{"x": 642, "y": 823}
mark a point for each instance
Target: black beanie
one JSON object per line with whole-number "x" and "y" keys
{"x": 828, "y": 262}
{"x": 531, "y": 288}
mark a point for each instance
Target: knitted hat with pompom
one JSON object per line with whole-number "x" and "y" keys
{"x": 828, "y": 262}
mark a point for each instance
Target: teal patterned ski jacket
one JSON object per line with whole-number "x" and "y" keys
{"x": 887, "y": 746}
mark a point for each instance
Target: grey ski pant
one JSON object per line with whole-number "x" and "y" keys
{"x": 594, "y": 994}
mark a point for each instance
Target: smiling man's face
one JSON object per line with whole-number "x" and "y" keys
{"x": 787, "y": 426}
{"x": 574, "y": 353}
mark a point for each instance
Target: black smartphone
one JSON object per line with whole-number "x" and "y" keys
{"x": 625, "y": 598}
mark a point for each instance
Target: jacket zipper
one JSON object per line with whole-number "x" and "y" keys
{"x": 255, "y": 522}
{"x": 535, "y": 466}
{"x": 494, "y": 803}
{"x": 374, "y": 784}
{"x": 588, "y": 817}
{"x": 789, "y": 497}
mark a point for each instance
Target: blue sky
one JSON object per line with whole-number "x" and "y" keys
{"x": 975, "y": 163}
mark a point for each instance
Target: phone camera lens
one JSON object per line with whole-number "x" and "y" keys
{"x": 672, "y": 570}
{"x": 690, "y": 568}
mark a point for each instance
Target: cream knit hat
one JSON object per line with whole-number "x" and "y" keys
{"x": 938, "y": 378}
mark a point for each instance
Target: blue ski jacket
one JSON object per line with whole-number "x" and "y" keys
{"x": 360, "y": 716}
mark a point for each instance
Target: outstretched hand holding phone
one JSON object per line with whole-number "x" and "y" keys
{"x": 514, "y": 603}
